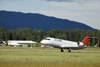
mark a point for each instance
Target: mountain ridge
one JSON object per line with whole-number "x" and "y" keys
{"x": 38, "y": 21}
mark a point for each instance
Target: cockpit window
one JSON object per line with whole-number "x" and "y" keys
{"x": 46, "y": 39}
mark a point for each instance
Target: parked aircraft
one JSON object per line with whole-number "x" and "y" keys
{"x": 96, "y": 45}
{"x": 65, "y": 44}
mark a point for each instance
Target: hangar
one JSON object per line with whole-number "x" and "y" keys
{"x": 23, "y": 43}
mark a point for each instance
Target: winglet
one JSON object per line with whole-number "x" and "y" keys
{"x": 85, "y": 40}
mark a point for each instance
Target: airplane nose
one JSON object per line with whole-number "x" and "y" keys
{"x": 42, "y": 42}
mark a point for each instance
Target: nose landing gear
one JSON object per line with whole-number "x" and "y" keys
{"x": 69, "y": 50}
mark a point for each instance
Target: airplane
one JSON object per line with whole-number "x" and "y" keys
{"x": 96, "y": 45}
{"x": 65, "y": 44}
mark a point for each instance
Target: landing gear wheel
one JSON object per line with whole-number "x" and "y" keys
{"x": 69, "y": 50}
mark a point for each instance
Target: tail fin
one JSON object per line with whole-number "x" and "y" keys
{"x": 85, "y": 40}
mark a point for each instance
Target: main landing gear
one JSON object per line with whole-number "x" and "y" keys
{"x": 69, "y": 50}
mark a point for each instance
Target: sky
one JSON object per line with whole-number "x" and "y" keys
{"x": 83, "y": 11}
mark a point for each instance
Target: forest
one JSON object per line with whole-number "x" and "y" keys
{"x": 38, "y": 35}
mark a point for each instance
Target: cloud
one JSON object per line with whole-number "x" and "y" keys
{"x": 9, "y": 0}
{"x": 75, "y": 6}
{"x": 77, "y": 1}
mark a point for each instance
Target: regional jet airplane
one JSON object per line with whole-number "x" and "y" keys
{"x": 65, "y": 44}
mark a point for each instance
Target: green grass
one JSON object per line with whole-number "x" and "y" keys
{"x": 49, "y": 57}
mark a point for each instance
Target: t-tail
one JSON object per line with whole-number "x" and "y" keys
{"x": 85, "y": 40}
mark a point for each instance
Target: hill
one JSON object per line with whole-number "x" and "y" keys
{"x": 13, "y": 20}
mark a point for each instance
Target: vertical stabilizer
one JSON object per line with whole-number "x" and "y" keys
{"x": 85, "y": 40}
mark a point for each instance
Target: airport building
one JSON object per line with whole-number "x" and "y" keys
{"x": 2, "y": 43}
{"x": 23, "y": 43}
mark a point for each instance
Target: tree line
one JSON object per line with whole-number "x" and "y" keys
{"x": 38, "y": 35}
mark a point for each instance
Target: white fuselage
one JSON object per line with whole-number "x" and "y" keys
{"x": 60, "y": 43}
